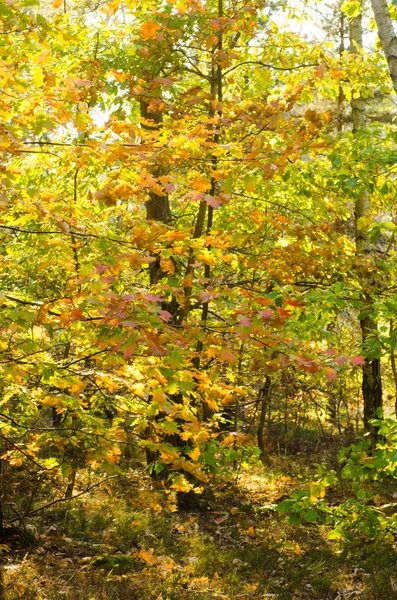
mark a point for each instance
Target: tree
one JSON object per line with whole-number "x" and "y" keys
{"x": 371, "y": 370}
{"x": 387, "y": 36}
{"x": 168, "y": 185}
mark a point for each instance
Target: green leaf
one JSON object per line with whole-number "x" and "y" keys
{"x": 294, "y": 519}
{"x": 311, "y": 516}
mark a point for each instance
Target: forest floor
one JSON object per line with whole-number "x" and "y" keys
{"x": 128, "y": 541}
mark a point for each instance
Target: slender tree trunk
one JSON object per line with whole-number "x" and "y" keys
{"x": 264, "y": 396}
{"x": 371, "y": 371}
{"x": 341, "y": 96}
{"x": 393, "y": 364}
{"x": 387, "y": 36}
{"x": 158, "y": 206}
{"x": 157, "y": 209}
{"x": 215, "y": 101}
{"x": 1, "y": 501}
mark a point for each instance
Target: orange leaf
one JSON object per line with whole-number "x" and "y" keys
{"x": 149, "y": 29}
{"x": 147, "y": 556}
{"x": 201, "y": 183}
{"x": 331, "y": 374}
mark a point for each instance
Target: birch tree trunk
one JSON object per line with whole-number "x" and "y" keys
{"x": 387, "y": 36}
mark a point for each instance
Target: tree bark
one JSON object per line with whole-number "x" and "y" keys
{"x": 387, "y": 36}
{"x": 371, "y": 371}
{"x": 263, "y": 398}
{"x": 158, "y": 206}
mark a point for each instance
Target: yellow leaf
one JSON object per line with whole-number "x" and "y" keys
{"x": 181, "y": 485}
{"x": 113, "y": 455}
{"x": 38, "y": 76}
{"x": 78, "y": 387}
{"x": 228, "y": 440}
{"x": 206, "y": 257}
{"x": 149, "y": 29}
{"x": 120, "y": 435}
{"x": 201, "y": 183}
{"x": 194, "y": 454}
{"x": 147, "y": 556}
{"x": 52, "y": 401}
{"x": 297, "y": 549}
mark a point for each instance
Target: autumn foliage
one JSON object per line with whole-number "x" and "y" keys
{"x": 176, "y": 230}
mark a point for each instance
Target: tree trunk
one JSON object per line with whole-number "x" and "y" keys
{"x": 387, "y": 36}
{"x": 263, "y": 398}
{"x": 1, "y": 501}
{"x": 371, "y": 372}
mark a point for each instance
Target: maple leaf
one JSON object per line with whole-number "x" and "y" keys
{"x": 331, "y": 374}
{"x": 52, "y": 401}
{"x": 340, "y": 360}
{"x": 211, "y": 201}
{"x": 181, "y": 484}
{"x": 250, "y": 183}
{"x": 358, "y": 360}
{"x": 200, "y": 183}
{"x": 245, "y": 322}
{"x": 227, "y": 355}
{"x": 147, "y": 556}
{"x": 194, "y": 454}
{"x": 149, "y": 29}
{"x": 165, "y": 315}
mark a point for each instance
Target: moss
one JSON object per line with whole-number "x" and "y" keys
{"x": 116, "y": 563}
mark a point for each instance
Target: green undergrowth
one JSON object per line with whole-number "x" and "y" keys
{"x": 128, "y": 541}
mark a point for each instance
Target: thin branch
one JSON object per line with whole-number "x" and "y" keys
{"x": 262, "y": 64}
{"x": 18, "y": 449}
{"x": 73, "y": 232}
{"x": 37, "y": 510}
{"x": 273, "y": 203}
{"x": 83, "y": 358}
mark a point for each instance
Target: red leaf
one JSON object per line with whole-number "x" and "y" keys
{"x": 77, "y": 314}
{"x": 153, "y": 298}
{"x": 128, "y": 352}
{"x": 101, "y": 268}
{"x": 340, "y": 360}
{"x": 211, "y": 201}
{"x": 83, "y": 83}
{"x": 358, "y": 360}
{"x": 165, "y": 315}
{"x": 245, "y": 322}
{"x": 294, "y": 303}
{"x": 266, "y": 314}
